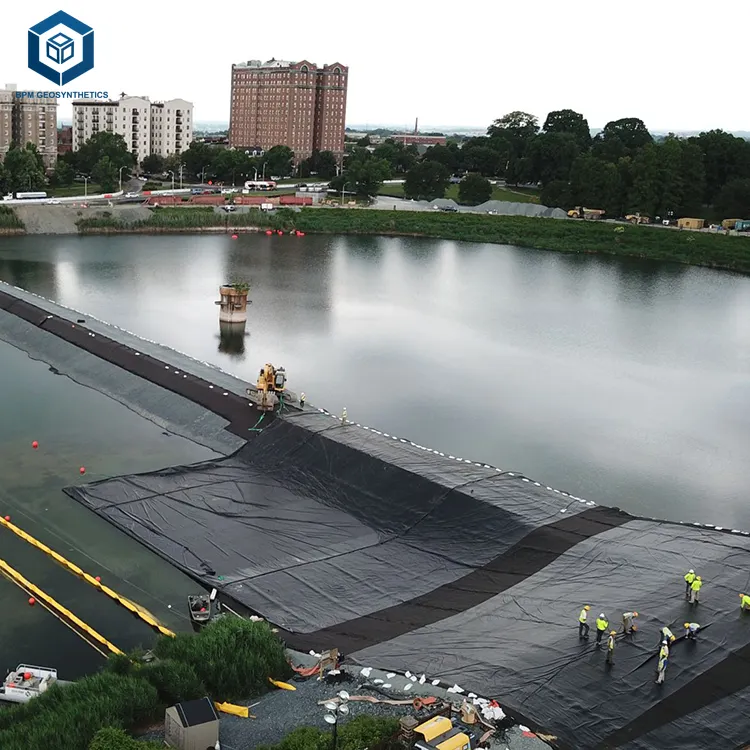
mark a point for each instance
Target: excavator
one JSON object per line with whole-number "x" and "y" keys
{"x": 271, "y": 386}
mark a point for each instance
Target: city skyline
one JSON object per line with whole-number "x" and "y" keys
{"x": 451, "y": 67}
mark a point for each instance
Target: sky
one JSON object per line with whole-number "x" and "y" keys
{"x": 677, "y": 66}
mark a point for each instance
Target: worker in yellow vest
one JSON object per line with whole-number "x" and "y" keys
{"x": 744, "y": 602}
{"x": 667, "y": 635}
{"x": 583, "y": 626}
{"x": 691, "y": 630}
{"x": 689, "y": 578}
{"x": 695, "y": 587}
{"x": 601, "y": 625}
{"x": 611, "y": 647}
{"x": 628, "y": 626}
{"x": 661, "y": 667}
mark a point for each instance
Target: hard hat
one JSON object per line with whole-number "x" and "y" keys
{"x": 613, "y": 632}
{"x": 603, "y": 616}
{"x": 687, "y": 624}
{"x": 635, "y": 614}
{"x": 586, "y": 607}
{"x": 691, "y": 571}
{"x": 741, "y": 595}
{"x": 698, "y": 578}
{"x": 663, "y": 643}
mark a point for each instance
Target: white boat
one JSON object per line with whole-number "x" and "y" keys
{"x": 27, "y": 682}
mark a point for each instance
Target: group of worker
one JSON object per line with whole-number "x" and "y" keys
{"x": 693, "y": 585}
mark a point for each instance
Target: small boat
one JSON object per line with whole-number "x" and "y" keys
{"x": 200, "y": 608}
{"x": 27, "y": 682}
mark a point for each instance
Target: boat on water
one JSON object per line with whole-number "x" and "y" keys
{"x": 200, "y": 608}
{"x": 26, "y": 682}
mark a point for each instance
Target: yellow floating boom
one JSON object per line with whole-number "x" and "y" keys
{"x": 73, "y": 568}
{"x": 52, "y": 603}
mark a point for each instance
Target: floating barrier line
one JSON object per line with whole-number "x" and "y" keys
{"x": 44, "y": 597}
{"x": 73, "y": 568}
{"x": 55, "y": 614}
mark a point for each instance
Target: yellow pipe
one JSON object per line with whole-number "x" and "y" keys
{"x": 42, "y": 596}
{"x": 73, "y": 568}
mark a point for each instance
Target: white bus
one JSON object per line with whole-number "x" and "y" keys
{"x": 260, "y": 185}
{"x": 30, "y": 196}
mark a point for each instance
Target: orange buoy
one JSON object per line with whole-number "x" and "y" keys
{"x": 32, "y": 601}
{"x": 279, "y": 232}
{"x": 7, "y": 518}
{"x": 269, "y": 231}
{"x": 82, "y": 470}
{"x": 234, "y": 236}
{"x": 301, "y": 234}
{"x": 98, "y": 579}
{"x": 35, "y": 445}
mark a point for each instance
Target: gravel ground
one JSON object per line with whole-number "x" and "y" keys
{"x": 280, "y": 711}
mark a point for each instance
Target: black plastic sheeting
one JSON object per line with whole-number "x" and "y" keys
{"x": 410, "y": 560}
{"x": 472, "y": 575}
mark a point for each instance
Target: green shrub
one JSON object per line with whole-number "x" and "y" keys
{"x": 357, "y": 734}
{"x": 111, "y": 738}
{"x": 232, "y": 657}
{"x": 173, "y": 680}
{"x": 8, "y": 219}
{"x": 67, "y": 718}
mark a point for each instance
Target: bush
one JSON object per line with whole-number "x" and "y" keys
{"x": 174, "y": 681}
{"x": 8, "y": 219}
{"x": 68, "y": 718}
{"x": 232, "y": 657}
{"x": 361, "y": 732}
{"x": 111, "y": 738}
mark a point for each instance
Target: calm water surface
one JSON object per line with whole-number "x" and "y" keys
{"x": 624, "y": 382}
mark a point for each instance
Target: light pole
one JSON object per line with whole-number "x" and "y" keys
{"x": 181, "y": 168}
{"x": 343, "y": 188}
{"x": 335, "y": 710}
{"x": 121, "y": 168}
{"x": 203, "y": 176}
{"x": 85, "y": 187}
{"x": 169, "y": 171}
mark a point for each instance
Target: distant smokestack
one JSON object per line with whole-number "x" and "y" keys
{"x": 416, "y": 126}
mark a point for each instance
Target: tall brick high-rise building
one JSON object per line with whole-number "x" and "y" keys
{"x": 295, "y": 104}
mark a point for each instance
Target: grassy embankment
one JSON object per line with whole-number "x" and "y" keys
{"x": 229, "y": 660}
{"x": 9, "y": 222}
{"x": 514, "y": 195}
{"x": 76, "y": 189}
{"x": 694, "y": 248}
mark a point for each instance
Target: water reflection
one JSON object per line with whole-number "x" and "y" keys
{"x": 30, "y": 274}
{"x": 232, "y": 339}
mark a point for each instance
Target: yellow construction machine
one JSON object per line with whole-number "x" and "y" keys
{"x": 271, "y": 386}
{"x": 439, "y": 734}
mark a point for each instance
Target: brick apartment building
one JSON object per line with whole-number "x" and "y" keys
{"x": 415, "y": 139}
{"x": 294, "y": 104}
{"x": 28, "y": 120}
{"x": 64, "y": 139}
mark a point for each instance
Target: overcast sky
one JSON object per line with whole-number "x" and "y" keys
{"x": 677, "y": 65}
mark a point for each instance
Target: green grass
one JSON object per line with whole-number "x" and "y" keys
{"x": 75, "y": 190}
{"x": 229, "y": 659}
{"x": 8, "y": 219}
{"x": 694, "y": 248}
{"x": 514, "y": 195}
{"x": 361, "y": 732}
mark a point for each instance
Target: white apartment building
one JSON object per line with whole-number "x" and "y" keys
{"x": 163, "y": 128}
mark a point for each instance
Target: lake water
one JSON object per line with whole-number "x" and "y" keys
{"x": 621, "y": 381}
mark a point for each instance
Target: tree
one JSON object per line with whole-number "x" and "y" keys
{"x": 105, "y": 144}
{"x": 449, "y": 156}
{"x": 733, "y": 200}
{"x": 520, "y": 125}
{"x": 153, "y": 164}
{"x": 198, "y": 157}
{"x": 230, "y": 165}
{"x": 621, "y": 138}
{"x": 426, "y": 180}
{"x": 594, "y": 183}
{"x": 552, "y": 156}
{"x": 4, "y": 180}
{"x": 557, "y": 194}
{"x": 474, "y": 189}
{"x": 320, "y": 163}
{"x": 105, "y": 174}
{"x": 278, "y": 161}
{"x": 401, "y": 158}
{"x": 725, "y": 158}
{"x": 481, "y": 159}
{"x": 64, "y": 175}
{"x": 366, "y": 177}
{"x": 23, "y": 170}
{"x": 573, "y": 123}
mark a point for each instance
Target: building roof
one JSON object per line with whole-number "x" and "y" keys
{"x": 197, "y": 712}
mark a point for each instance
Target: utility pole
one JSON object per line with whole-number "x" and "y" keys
{"x": 181, "y": 167}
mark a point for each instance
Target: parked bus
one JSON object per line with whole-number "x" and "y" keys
{"x": 260, "y": 185}
{"x": 30, "y": 196}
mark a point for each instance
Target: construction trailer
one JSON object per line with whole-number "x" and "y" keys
{"x": 742, "y": 225}
{"x": 688, "y": 223}
{"x": 192, "y": 725}
{"x": 729, "y": 223}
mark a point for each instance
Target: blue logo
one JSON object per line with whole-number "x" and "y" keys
{"x": 61, "y": 48}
